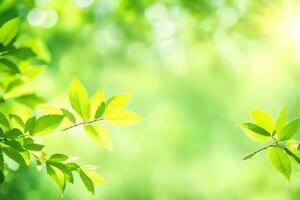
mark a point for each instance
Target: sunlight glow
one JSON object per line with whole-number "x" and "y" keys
{"x": 282, "y": 24}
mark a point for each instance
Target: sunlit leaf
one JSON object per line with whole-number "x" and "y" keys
{"x": 87, "y": 181}
{"x": 57, "y": 176}
{"x": 280, "y": 160}
{"x": 46, "y": 124}
{"x": 255, "y": 132}
{"x": 79, "y": 99}
{"x": 16, "y": 121}
{"x": 29, "y": 125}
{"x": 96, "y": 100}
{"x": 4, "y": 123}
{"x": 68, "y": 115}
{"x": 289, "y": 130}
{"x": 121, "y": 117}
{"x": 281, "y": 121}
{"x": 9, "y": 30}
{"x": 34, "y": 147}
{"x": 100, "y": 110}
{"x": 99, "y": 134}
{"x": 95, "y": 177}
{"x": 64, "y": 169}
{"x": 263, "y": 119}
{"x": 116, "y": 102}
{"x": 58, "y": 157}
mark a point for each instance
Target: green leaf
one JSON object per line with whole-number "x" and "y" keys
{"x": 263, "y": 119}
{"x": 57, "y": 176}
{"x": 95, "y": 177}
{"x": 96, "y": 100}
{"x": 68, "y": 115}
{"x": 100, "y": 110}
{"x": 121, "y": 117}
{"x": 248, "y": 156}
{"x": 4, "y": 123}
{"x": 294, "y": 146}
{"x": 33, "y": 147}
{"x": 289, "y": 130}
{"x": 46, "y": 124}
{"x": 66, "y": 171}
{"x": 116, "y": 102}
{"x": 26, "y": 157}
{"x": 79, "y": 99}
{"x": 58, "y": 157}
{"x": 73, "y": 167}
{"x": 15, "y": 155}
{"x": 15, "y": 144}
{"x": 255, "y": 132}
{"x": 281, "y": 121}
{"x": 9, "y": 31}
{"x": 1, "y": 177}
{"x": 7, "y": 66}
{"x": 30, "y": 100}
{"x": 291, "y": 154}
{"x": 13, "y": 85}
{"x": 87, "y": 182}
{"x": 99, "y": 134}
{"x": 13, "y": 133}
{"x": 22, "y": 53}
{"x": 16, "y": 121}
{"x": 280, "y": 160}
{"x": 29, "y": 125}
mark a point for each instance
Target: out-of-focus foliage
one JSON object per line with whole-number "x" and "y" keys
{"x": 194, "y": 68}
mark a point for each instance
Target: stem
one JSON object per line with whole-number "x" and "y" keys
{"x": 82, "y": 123}
{"x": 274, "y": 144}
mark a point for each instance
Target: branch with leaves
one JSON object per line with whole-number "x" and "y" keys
{"x": 283, "y": 150}
{"x": 18, "y": 133}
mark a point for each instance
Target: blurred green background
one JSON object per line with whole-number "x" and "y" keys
{"x": 194, "y": 69}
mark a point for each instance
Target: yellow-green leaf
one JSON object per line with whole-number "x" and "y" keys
{"x": 57, "y": 176}
{"x": 95, "y": 177}
{"x": 280, "y": 160}
{"x": 256, "y": 132}
{"x": 9, "y": 31}
{"x": 87, "y": 181}
{"x": 79, "y": 99}
{"x": 289, "y": 130}
{"x": 122, "y": 117}
{"x": 281, "y": 121}
{"x": 116, "y": 102}
{"x": 263, "y": 119}
{"x": 96, "y": 101}
{"x": 46, "y": 124}
{"x": 99, "y": 134}
{"x": 16, "y": 121}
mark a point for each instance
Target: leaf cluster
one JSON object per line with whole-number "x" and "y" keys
{"x": 282, "y": 150}
{"x": 19, "y": 134}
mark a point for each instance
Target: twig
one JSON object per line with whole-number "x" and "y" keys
{"x": 82, "y": 123}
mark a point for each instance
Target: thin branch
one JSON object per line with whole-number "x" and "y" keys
{"x": 83, "y": 123}
{"x": 275, "y": 144}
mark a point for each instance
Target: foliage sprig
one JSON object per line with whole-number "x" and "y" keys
{"x": 282, "y": 149}
{"x": 18, "y": 134}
